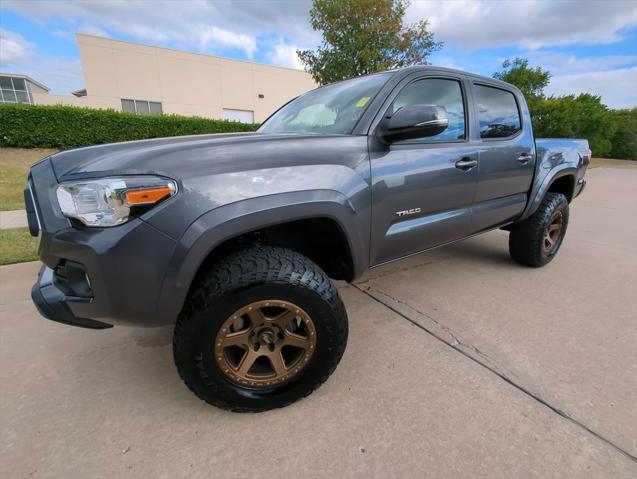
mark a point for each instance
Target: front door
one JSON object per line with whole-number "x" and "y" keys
{"x": 423, "y": 189}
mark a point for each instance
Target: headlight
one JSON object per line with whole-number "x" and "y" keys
{"x": 109, "y": 201}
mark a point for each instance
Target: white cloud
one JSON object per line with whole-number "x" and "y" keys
{"x": 444, "y": 61}
{"x": 470, "y": 24}
{"x": 529, "y": 24}
{"x": 284, "y": 55}
{"x": 226, "y": 38}
{"x": 91, "y": 30}
{"x": 185, "y": 24}
{"x": 618, "y": 88}
{"x": 276, "y": 28}
{"x": 559, "y": 63}
{"x": 62, "y": 34}
{"x": 14, "y": 49}
{"x": 61, "y": 75}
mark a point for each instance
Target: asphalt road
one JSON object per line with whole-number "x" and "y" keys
{"x": 459, "y": 364}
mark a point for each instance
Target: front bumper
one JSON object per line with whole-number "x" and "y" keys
{"x": 96, "y": 277}
{"x": 52, "y": 303}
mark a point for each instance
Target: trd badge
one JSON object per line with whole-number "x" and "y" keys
{"x": 412, "y": 211}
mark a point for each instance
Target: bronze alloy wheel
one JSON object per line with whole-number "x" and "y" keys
{"x": 265, "y": 343}
{"x": 239, "y": 350}
{"x": 552, "y": 232}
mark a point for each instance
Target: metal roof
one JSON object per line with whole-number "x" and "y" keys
{"x": 27, "y": 78}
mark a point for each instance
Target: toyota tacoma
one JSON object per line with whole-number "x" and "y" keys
{"x": 235, "y": 238}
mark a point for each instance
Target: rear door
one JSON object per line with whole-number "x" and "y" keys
{"x": 423, "y": 189}
{"x": 507, "y": 156}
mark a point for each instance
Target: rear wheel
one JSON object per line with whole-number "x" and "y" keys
{"x": 263, "y": 328}
{"x": 536, "y": 240}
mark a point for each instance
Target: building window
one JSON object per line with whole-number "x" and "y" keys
{"x": 242, "y": 116}
{"x": 142, "y": 107}
{"x": 14, "y": 90}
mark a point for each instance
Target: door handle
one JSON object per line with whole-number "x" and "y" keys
{"x": 466, "y": 164}
{"x": 524, "y": 158}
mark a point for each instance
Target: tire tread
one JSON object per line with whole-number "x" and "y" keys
{"x": 526, "y": 237}
{"x": 242, "y": 269}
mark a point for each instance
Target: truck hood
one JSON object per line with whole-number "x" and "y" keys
{"x": 188, "y": 156}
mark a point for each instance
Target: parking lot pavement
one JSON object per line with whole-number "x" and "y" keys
{"x": 567, "y": 332}
{"x": 459, "y": 364}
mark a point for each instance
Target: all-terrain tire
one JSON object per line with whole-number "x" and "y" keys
{"x": 527, "y": 240}
{"x": 244, "y": 277}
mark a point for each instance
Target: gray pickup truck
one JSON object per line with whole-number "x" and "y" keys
{"x": 234, "y": 238}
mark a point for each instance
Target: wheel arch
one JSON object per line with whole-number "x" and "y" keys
{"x": 564, "y": 184}
{"x": 560, "y": 179}
{"x": 220, "y": 231}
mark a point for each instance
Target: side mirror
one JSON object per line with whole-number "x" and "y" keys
{"x": 415, "y": 121}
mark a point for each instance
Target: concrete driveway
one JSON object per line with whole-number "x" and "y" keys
{"x": 460, "y": 364}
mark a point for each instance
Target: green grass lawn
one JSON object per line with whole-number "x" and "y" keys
{"x": 14, "y": 167}
{"x": 16, "y": 246}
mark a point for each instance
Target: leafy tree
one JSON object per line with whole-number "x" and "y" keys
{"x": 609, "y": 132}
{"x": 581, "y": 116}
{"x": 624, "y": 138}
{"x": 530, "y": 81}
{"x": 364, "y": 36}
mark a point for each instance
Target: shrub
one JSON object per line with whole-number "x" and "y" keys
{"x": 570, "y": 116}
{"x": 58, "y": 126}
{"x": 624, "y": 139}
{"x": 609, "y": 132}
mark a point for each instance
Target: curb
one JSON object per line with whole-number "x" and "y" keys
{"x": 13, "y": 219}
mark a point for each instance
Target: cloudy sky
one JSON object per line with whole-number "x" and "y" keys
{"x": 588, "y": 45}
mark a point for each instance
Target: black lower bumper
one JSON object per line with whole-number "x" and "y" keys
{"x": 51, "y": 303}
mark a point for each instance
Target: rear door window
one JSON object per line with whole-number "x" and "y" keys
{"x": 498, "y": 112}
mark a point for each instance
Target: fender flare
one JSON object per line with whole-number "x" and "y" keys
{"x": 538, "y": 192}
{"x": 228, "y": 221}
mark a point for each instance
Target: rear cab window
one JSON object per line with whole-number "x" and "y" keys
{"x": 498, "y": 112}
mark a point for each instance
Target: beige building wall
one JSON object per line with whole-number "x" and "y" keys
{"x": 36, "y": 89}
{"x": 185, "y": 83}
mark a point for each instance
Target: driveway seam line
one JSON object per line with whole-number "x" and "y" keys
{"x": 502, "y": 376}
{"x": 455, "y": 336}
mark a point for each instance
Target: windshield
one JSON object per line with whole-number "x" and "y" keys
{"x": 330, "y": 109}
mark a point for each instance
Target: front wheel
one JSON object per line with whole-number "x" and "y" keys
{"x": 262, "y": 329}
{"x": 536, "y": 240}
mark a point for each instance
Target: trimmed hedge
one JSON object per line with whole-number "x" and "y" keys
{"x": 58, "y": 126}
